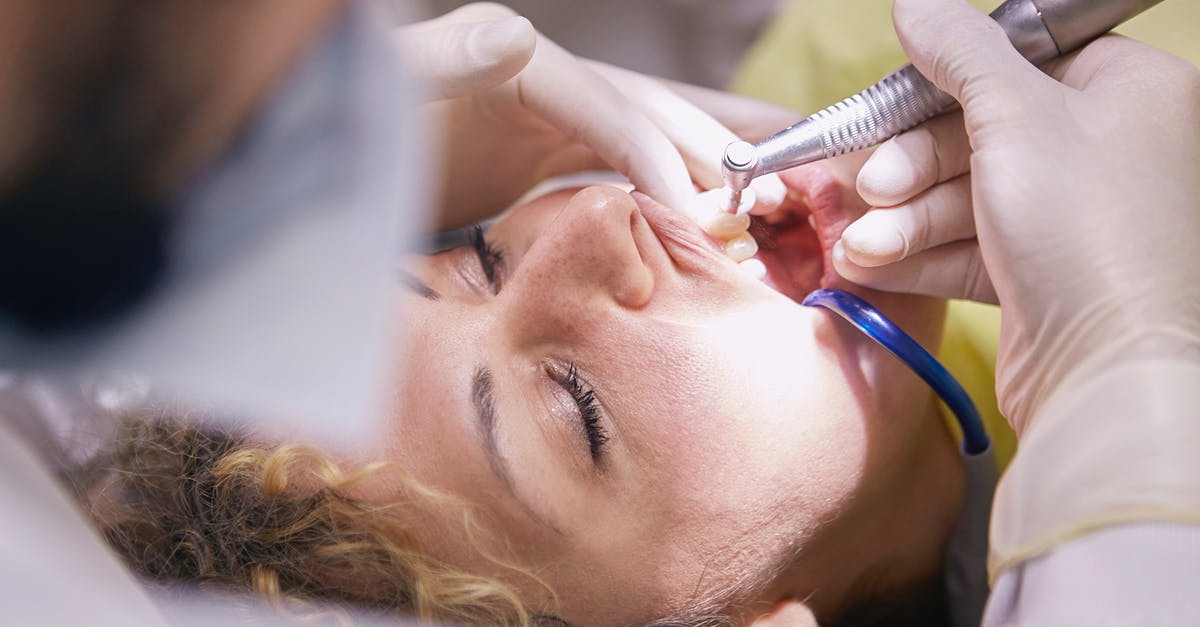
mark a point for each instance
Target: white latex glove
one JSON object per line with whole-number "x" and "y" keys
{"x": 467, "y": 51}
{"x": 1085, "y": 199}
{"x": 521, "y": 109}
{"x": 1085, "y": 196}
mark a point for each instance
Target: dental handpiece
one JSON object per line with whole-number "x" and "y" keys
{"x": 1039, "y": 29}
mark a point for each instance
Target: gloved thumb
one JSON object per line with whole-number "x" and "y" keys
{"x": 966, "y": 54}
{"x": 459, "y": 58}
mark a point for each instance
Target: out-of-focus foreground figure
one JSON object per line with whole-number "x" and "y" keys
{"x": 166, "y": 172}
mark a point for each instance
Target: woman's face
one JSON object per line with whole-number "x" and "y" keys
{"x": 640, "y": 420}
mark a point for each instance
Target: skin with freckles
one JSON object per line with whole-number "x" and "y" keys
{"x": 746, "y": 444}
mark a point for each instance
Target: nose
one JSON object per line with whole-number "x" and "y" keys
{"x": 587, "y": 256}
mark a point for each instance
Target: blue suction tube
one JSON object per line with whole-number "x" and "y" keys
{"x": 876, "y": 326}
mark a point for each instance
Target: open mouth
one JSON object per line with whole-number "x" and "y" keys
{"x": 794, "y": 244}
{"x": 792, "y": 252}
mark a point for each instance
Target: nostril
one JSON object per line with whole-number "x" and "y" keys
{"x": 636, "y": 288}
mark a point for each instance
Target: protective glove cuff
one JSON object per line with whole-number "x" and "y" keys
{"x": 1114, "y": 448}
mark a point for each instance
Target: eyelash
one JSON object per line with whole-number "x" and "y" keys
{"x": 490, "y": 258}
{"x": 589, "y": 409}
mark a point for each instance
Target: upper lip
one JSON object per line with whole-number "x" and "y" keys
{"x": 693, "y": 249}
{"x": 687, "y": 244}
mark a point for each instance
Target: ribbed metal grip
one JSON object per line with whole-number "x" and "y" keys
{"x": 902, "y": 100}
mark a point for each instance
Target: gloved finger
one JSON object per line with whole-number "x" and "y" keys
{"x": 939, "y": 216}
{"x": 565, "y": 92}
{"x": 953, "y": 270}
{"x": 967, "y": 55}
{"x": 457, "y": 58}
{"x": 912, "y": 162}
{"x": 699, "y": 137}
{"x": 748, "y": 118}
{"x": 1114, "y": 64}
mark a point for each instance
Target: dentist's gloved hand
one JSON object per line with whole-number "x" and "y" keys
{"x": 467, "y": 51}
{"x": 1084, "y": 195}
{"x": 516, "y": 109}
{"x": 1076, "y": 206}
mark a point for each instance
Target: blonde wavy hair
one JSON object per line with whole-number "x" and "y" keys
{"x": 181, "y": 502}
{"x": 184, "y": 503}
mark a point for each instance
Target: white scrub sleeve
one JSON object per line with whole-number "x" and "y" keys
{"x": 1134, "y": 575}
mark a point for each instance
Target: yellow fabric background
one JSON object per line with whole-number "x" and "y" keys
{"x": 817, "y": 52}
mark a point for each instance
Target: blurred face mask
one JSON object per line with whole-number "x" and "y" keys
{"x": 260, "y": 288}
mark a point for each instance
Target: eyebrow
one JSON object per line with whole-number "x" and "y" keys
{"x": 418, "y": 286}
{"x": 483, "y": 398}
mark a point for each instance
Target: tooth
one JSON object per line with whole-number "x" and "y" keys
{"x": 747, "y": 202}
{"x": 706, "y": 205}
{"x": 754, "y": 268}
{"x": 741, "y": 247}
{"x": 727, "y": 225}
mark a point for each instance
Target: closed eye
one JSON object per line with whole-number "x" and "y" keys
{"x": 588, "y": 406}
{"x": 491, "y": 259}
